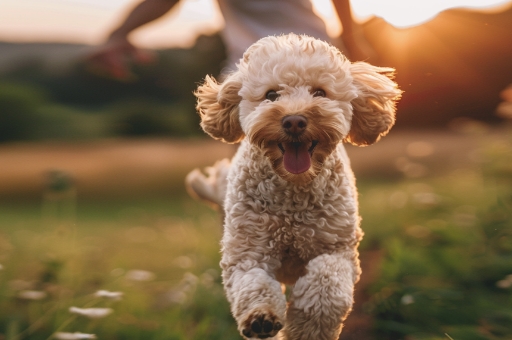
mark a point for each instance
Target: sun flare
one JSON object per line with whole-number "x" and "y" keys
{"x": 403, "y": 13}
{"x": 88, "y": 21}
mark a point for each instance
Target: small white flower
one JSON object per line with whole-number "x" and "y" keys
{"x": 426, "y": 198}
{"x": 116, "y": 296}
{"x": 188, "y": 283}
{"x": 140, "y": 275}
{"x": 117, "y": 272}
{"x": 407, "y": 299}
{"x": 505, "y": 283}
{"x": 31, "y": 295}
{"x": 92, "y": 313}
{"x": 183, "y": 262}
{"x": 73, "y": 336}
{"x": 185, "y": 288}
{"x": 176, "y": 296}
{"x": 207, "y": 279}
{"x": 189, "y": 280}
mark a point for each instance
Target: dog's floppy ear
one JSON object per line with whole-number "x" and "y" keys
{"x": 374, "y": 107}
{"x": 217, "y": 105}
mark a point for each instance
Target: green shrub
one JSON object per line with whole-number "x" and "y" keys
{"x": 18, "y": 111}
{"x": 141, "y": 117}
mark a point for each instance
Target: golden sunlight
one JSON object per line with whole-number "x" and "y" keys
{"x": 404, "y": 13}
{"x": 88, "y": 21}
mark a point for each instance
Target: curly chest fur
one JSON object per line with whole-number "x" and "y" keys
{"x": 290, "y": 223}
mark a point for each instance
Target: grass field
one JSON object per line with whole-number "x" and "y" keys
{"x": 443, "y": 270}
{"x": 162, "y": 255}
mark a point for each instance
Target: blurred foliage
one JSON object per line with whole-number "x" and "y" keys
{"x": 18, "y": 111}
{"x": 27, "y": 113}
{"x": 438, "y": 64}
{"x": 447, "y": 245}
{"x": 77, "y": 103}
{"x": 144, "y": 117}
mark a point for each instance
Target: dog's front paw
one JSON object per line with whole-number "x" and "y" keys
{"x": 261, "y": 325}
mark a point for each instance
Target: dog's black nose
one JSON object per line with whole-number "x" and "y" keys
{"x": 295, "y": 124}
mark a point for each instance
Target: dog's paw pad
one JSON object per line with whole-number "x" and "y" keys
{"x": 261, "y": 326}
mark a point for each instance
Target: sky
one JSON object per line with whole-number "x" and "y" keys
{"x": 89, "y": 21}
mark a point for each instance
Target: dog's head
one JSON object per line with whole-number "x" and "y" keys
{"x": 297, "y": 97}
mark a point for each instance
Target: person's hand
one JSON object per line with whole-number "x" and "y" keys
{"x": 116, "y": 57}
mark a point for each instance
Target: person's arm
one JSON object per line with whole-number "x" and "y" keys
{"x": 352, "y": 35}
{"x": 114, "y": 57}
{"x": 344, "y": 11}
{"x": 143, "y": 13}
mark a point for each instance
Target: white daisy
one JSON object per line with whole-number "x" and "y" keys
{"x": 92, "y": 313}
{"x": 73, "y": 336}
{"x": 140, "y": 275}
{"x": 116, "y": 296}
{"x": 31, "y": 295}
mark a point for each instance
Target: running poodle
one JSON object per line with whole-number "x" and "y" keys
{"x": 289, "y": 196}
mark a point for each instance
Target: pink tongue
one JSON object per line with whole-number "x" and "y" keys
{"x": 296, "y": 157}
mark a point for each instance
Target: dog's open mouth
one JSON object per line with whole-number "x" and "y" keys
{"x": 297, "y": 155}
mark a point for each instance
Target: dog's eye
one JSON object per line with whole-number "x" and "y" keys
{"x": 272, "y": 95}
{"x": 319, "y": 93}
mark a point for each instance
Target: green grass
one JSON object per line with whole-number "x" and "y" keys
{"x": 70, "y": 256}
{"x": 446, "y": 245}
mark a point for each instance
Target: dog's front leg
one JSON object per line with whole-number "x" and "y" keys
{"x": 257, "y": 301}
{"x": 322, "y": 298}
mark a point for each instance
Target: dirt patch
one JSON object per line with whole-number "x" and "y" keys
{"x": 106, "y": 168}
{"x": 110, "y": 168}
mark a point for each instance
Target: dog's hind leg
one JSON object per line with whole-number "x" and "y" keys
{"x": 322, "y": 298}
{"x": 210, "y": 187}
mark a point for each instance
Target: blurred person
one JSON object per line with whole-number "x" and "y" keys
{"x": 245, "y": 22}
